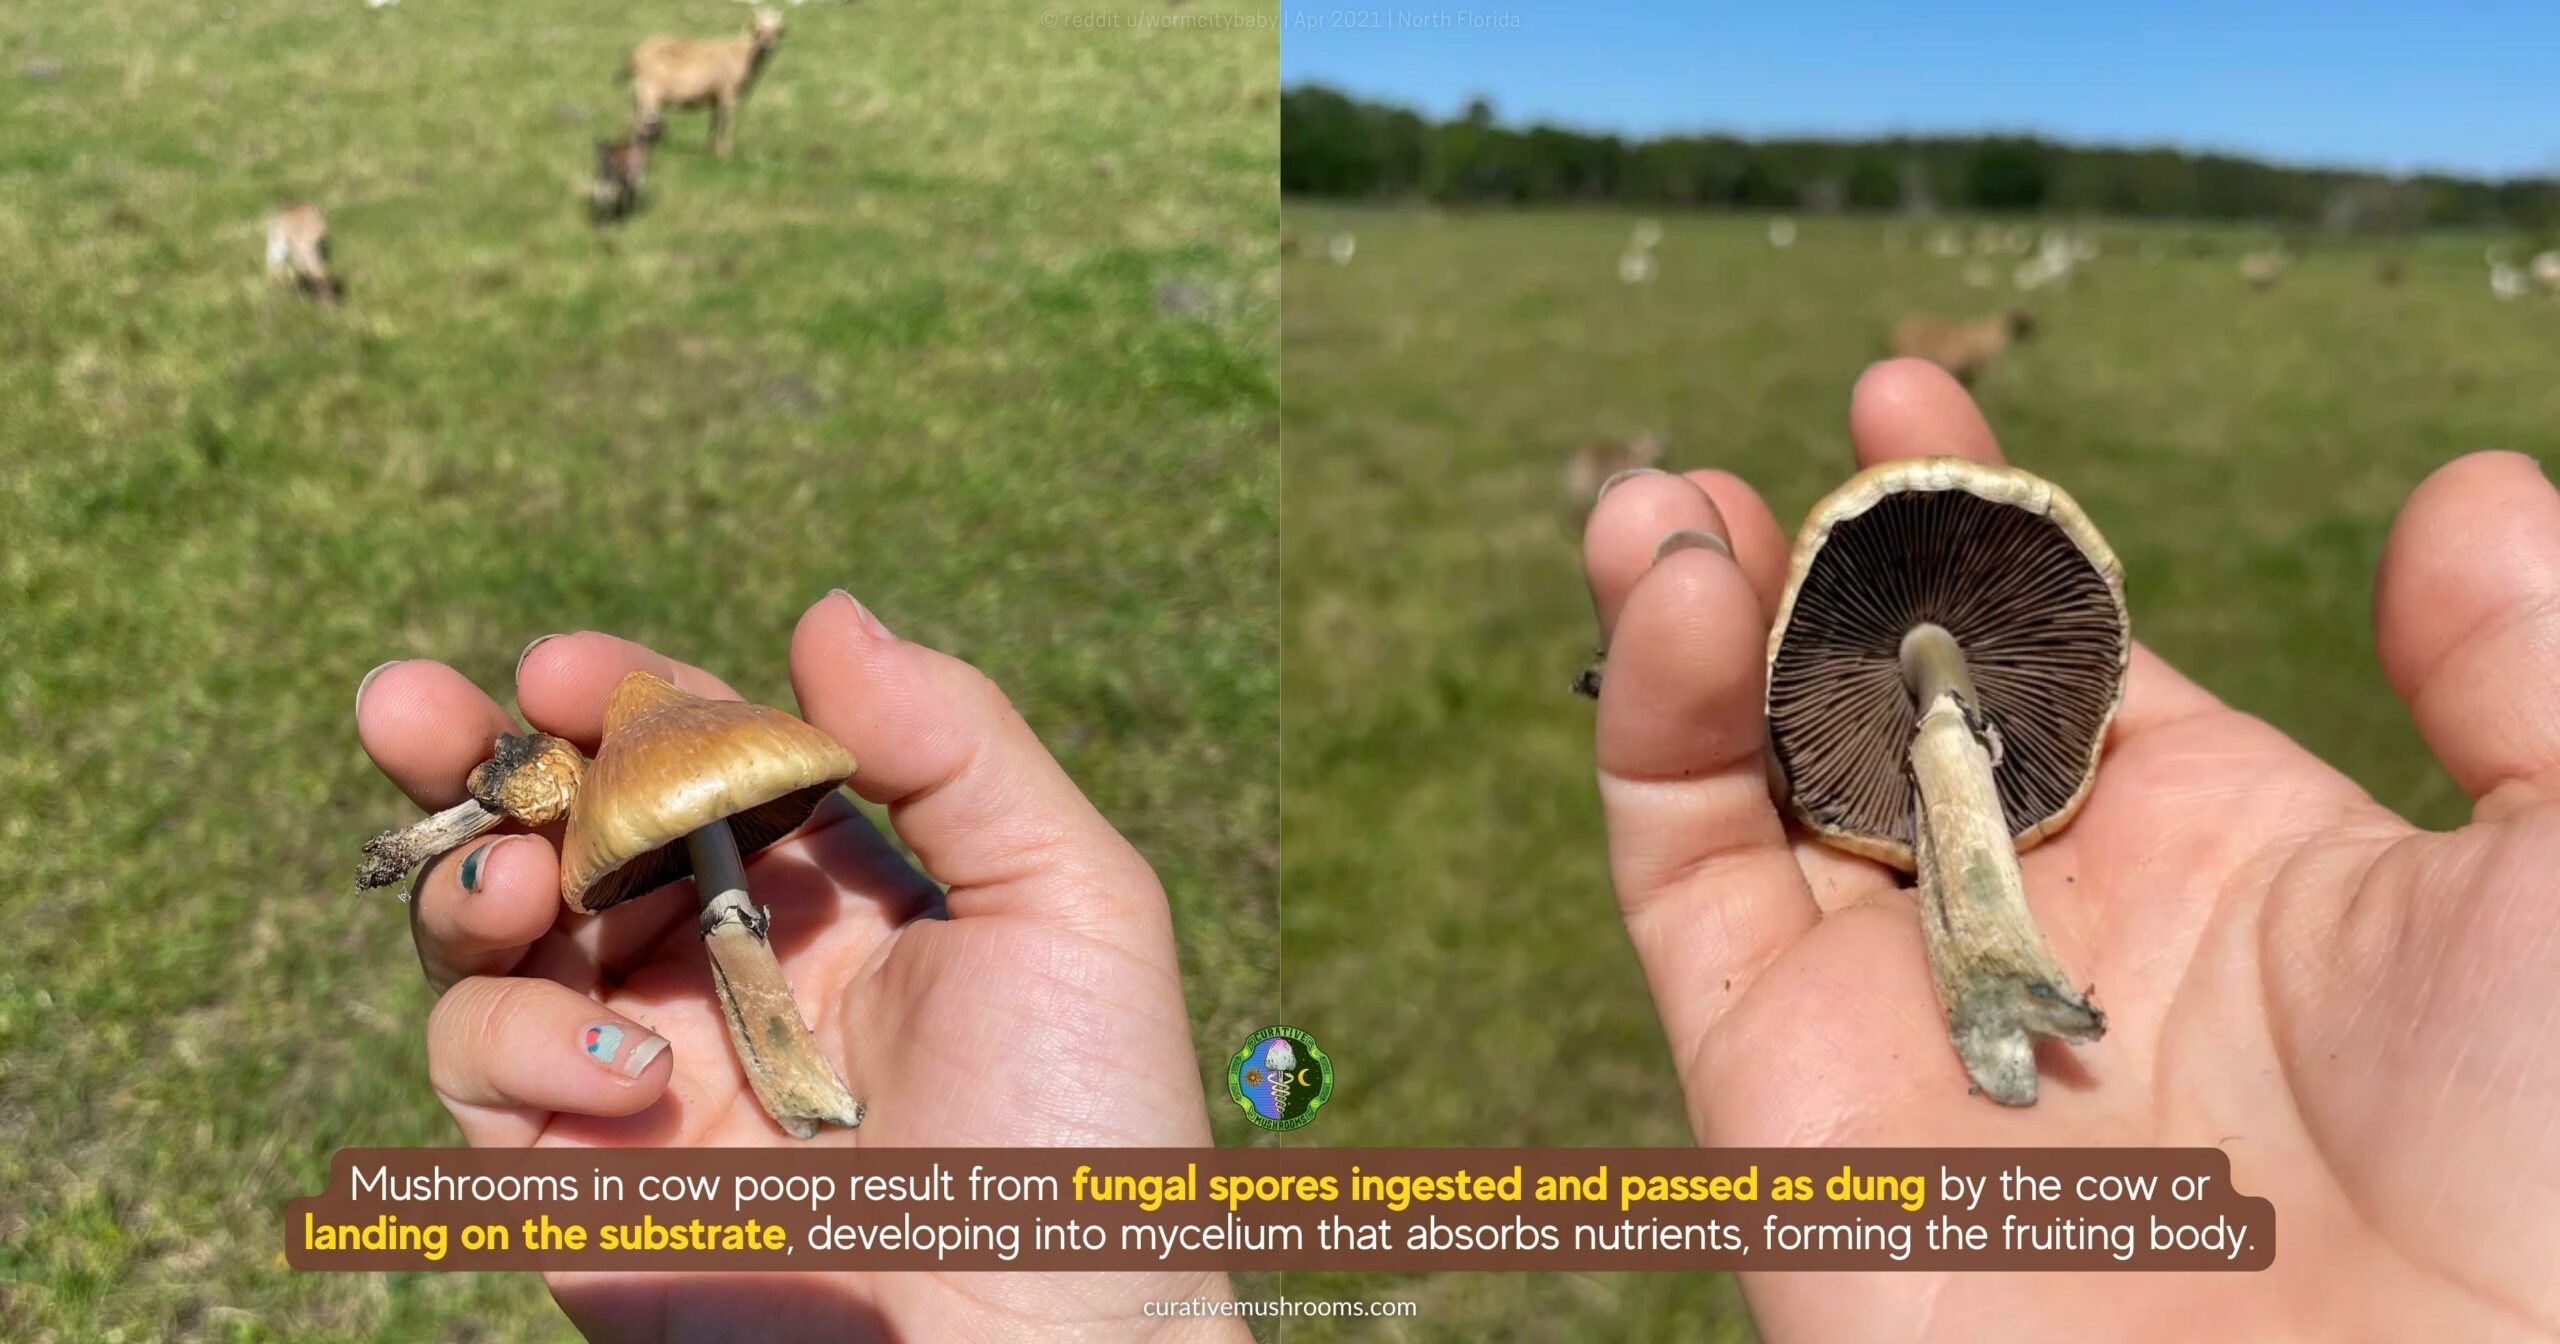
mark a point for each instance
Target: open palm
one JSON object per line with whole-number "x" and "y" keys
{"x": 951, "y": 1013}
{"x": 2360, "y": 1013}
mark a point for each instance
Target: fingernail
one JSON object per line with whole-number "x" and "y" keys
{"x": 361, "y": 686}
{"x": 1629, "y": 474}
{"x": 1692, "y": 539}
{"x": 475, "y": 865}
{"x": 869, "y": 621}
{"x": 528, "y": 652}
{"x": 605, "y": 1040}
{"x": 643, "y": 1054}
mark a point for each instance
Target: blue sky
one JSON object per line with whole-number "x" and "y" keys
{"x": 2466, "y": 87}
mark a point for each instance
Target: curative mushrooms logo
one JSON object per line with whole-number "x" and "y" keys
{"x": 1280, "y": 1078}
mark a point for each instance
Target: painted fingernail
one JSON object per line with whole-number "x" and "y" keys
{"x": 367, "y": 683}
{"x": 528, "y": 652}
{"x": 869, "y": 621}
{"x": 604, "y": 1041}
{"x": 1629, "y": 474}
{"x": 1692, "y": 539}
{"x": 475, "y": 865}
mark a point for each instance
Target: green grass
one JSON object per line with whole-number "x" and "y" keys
{"x": 908, "y": 341}
{"x": 1446, "y": 914}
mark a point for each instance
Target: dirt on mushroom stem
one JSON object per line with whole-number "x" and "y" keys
{"x": 791, "y": 1078}
{"x": 1996, "y": 977}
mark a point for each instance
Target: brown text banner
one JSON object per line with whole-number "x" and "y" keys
{"x": 1583, "y": 1209}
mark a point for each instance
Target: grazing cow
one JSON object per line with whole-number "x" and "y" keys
{"x": 616, "y": 191}
{"x": 298, "y": 251}
{"x": 1965, "y": 349}
{"x": 691, "y": 72}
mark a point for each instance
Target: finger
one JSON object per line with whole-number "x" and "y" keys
{"x": 562, "y": 681}
{"x": 969, "y": 788}
{"x": 425, "y": 725}
{"x": 1759, "y": 546}
{"x": 1633, "y": 516}
{"x": 1912, "y": 408}
{"x": 477, "y": 910}
{"x": 1705, "y": 877}
{"x": 2467, "y": 623}
{"x": 505, "y": 1054}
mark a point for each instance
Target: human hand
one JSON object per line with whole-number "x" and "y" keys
{"x": 1040, "y": 933}
{"x": 2358, "y": 1011}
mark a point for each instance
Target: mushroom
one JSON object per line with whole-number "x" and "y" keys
{"x": 530, "y": 779}
{"x": 679, "y": 786}
{"x": 1950, "y": 648}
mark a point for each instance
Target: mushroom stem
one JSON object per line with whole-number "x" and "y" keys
{"x": 1996, "y": 978}
{"x": 390, "y": 856}
{"x": 796, "y": 1084}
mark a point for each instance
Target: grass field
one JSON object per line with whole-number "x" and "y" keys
{"x": 980, "y": 323}
{"x": 1447, "y": 920}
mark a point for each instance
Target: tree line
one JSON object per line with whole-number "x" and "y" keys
{"x": 1332, "y": 144}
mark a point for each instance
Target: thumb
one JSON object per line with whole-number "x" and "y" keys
{"x": 971, "y": 791}
{"x": 2467, "y": 623}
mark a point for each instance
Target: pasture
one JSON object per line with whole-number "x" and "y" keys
{"x": 913, "y": 340}
{"x": 1449, "y": 929}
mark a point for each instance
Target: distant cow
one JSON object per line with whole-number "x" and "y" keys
{"x": 1965, "y": 349}
{"x": 298, "y": 251}
{"x": 690, "y": 72}
{"x": 616, "y": 192}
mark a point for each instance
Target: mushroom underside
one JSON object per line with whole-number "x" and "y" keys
{"x": 1841, "y": 718}
{"x": 754, "y": 829}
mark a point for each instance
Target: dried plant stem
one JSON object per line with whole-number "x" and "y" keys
{"x": 797, "y": 1085}
{"x": 1996, "y": 978}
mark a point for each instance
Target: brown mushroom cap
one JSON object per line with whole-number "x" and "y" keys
{"x": 672, "y": 763}
{"x": 2010, "y": 566}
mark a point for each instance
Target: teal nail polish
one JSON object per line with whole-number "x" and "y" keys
{"x": 475, "y": 864}
{"x": 602, "y": 1042}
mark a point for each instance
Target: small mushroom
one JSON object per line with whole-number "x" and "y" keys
{"x": 530, "y": 779}
{"x": 1949, "y": 651}
{"x": 679, "y": 786}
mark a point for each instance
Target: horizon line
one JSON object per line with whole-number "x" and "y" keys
{"x": 2129, "y": 146}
